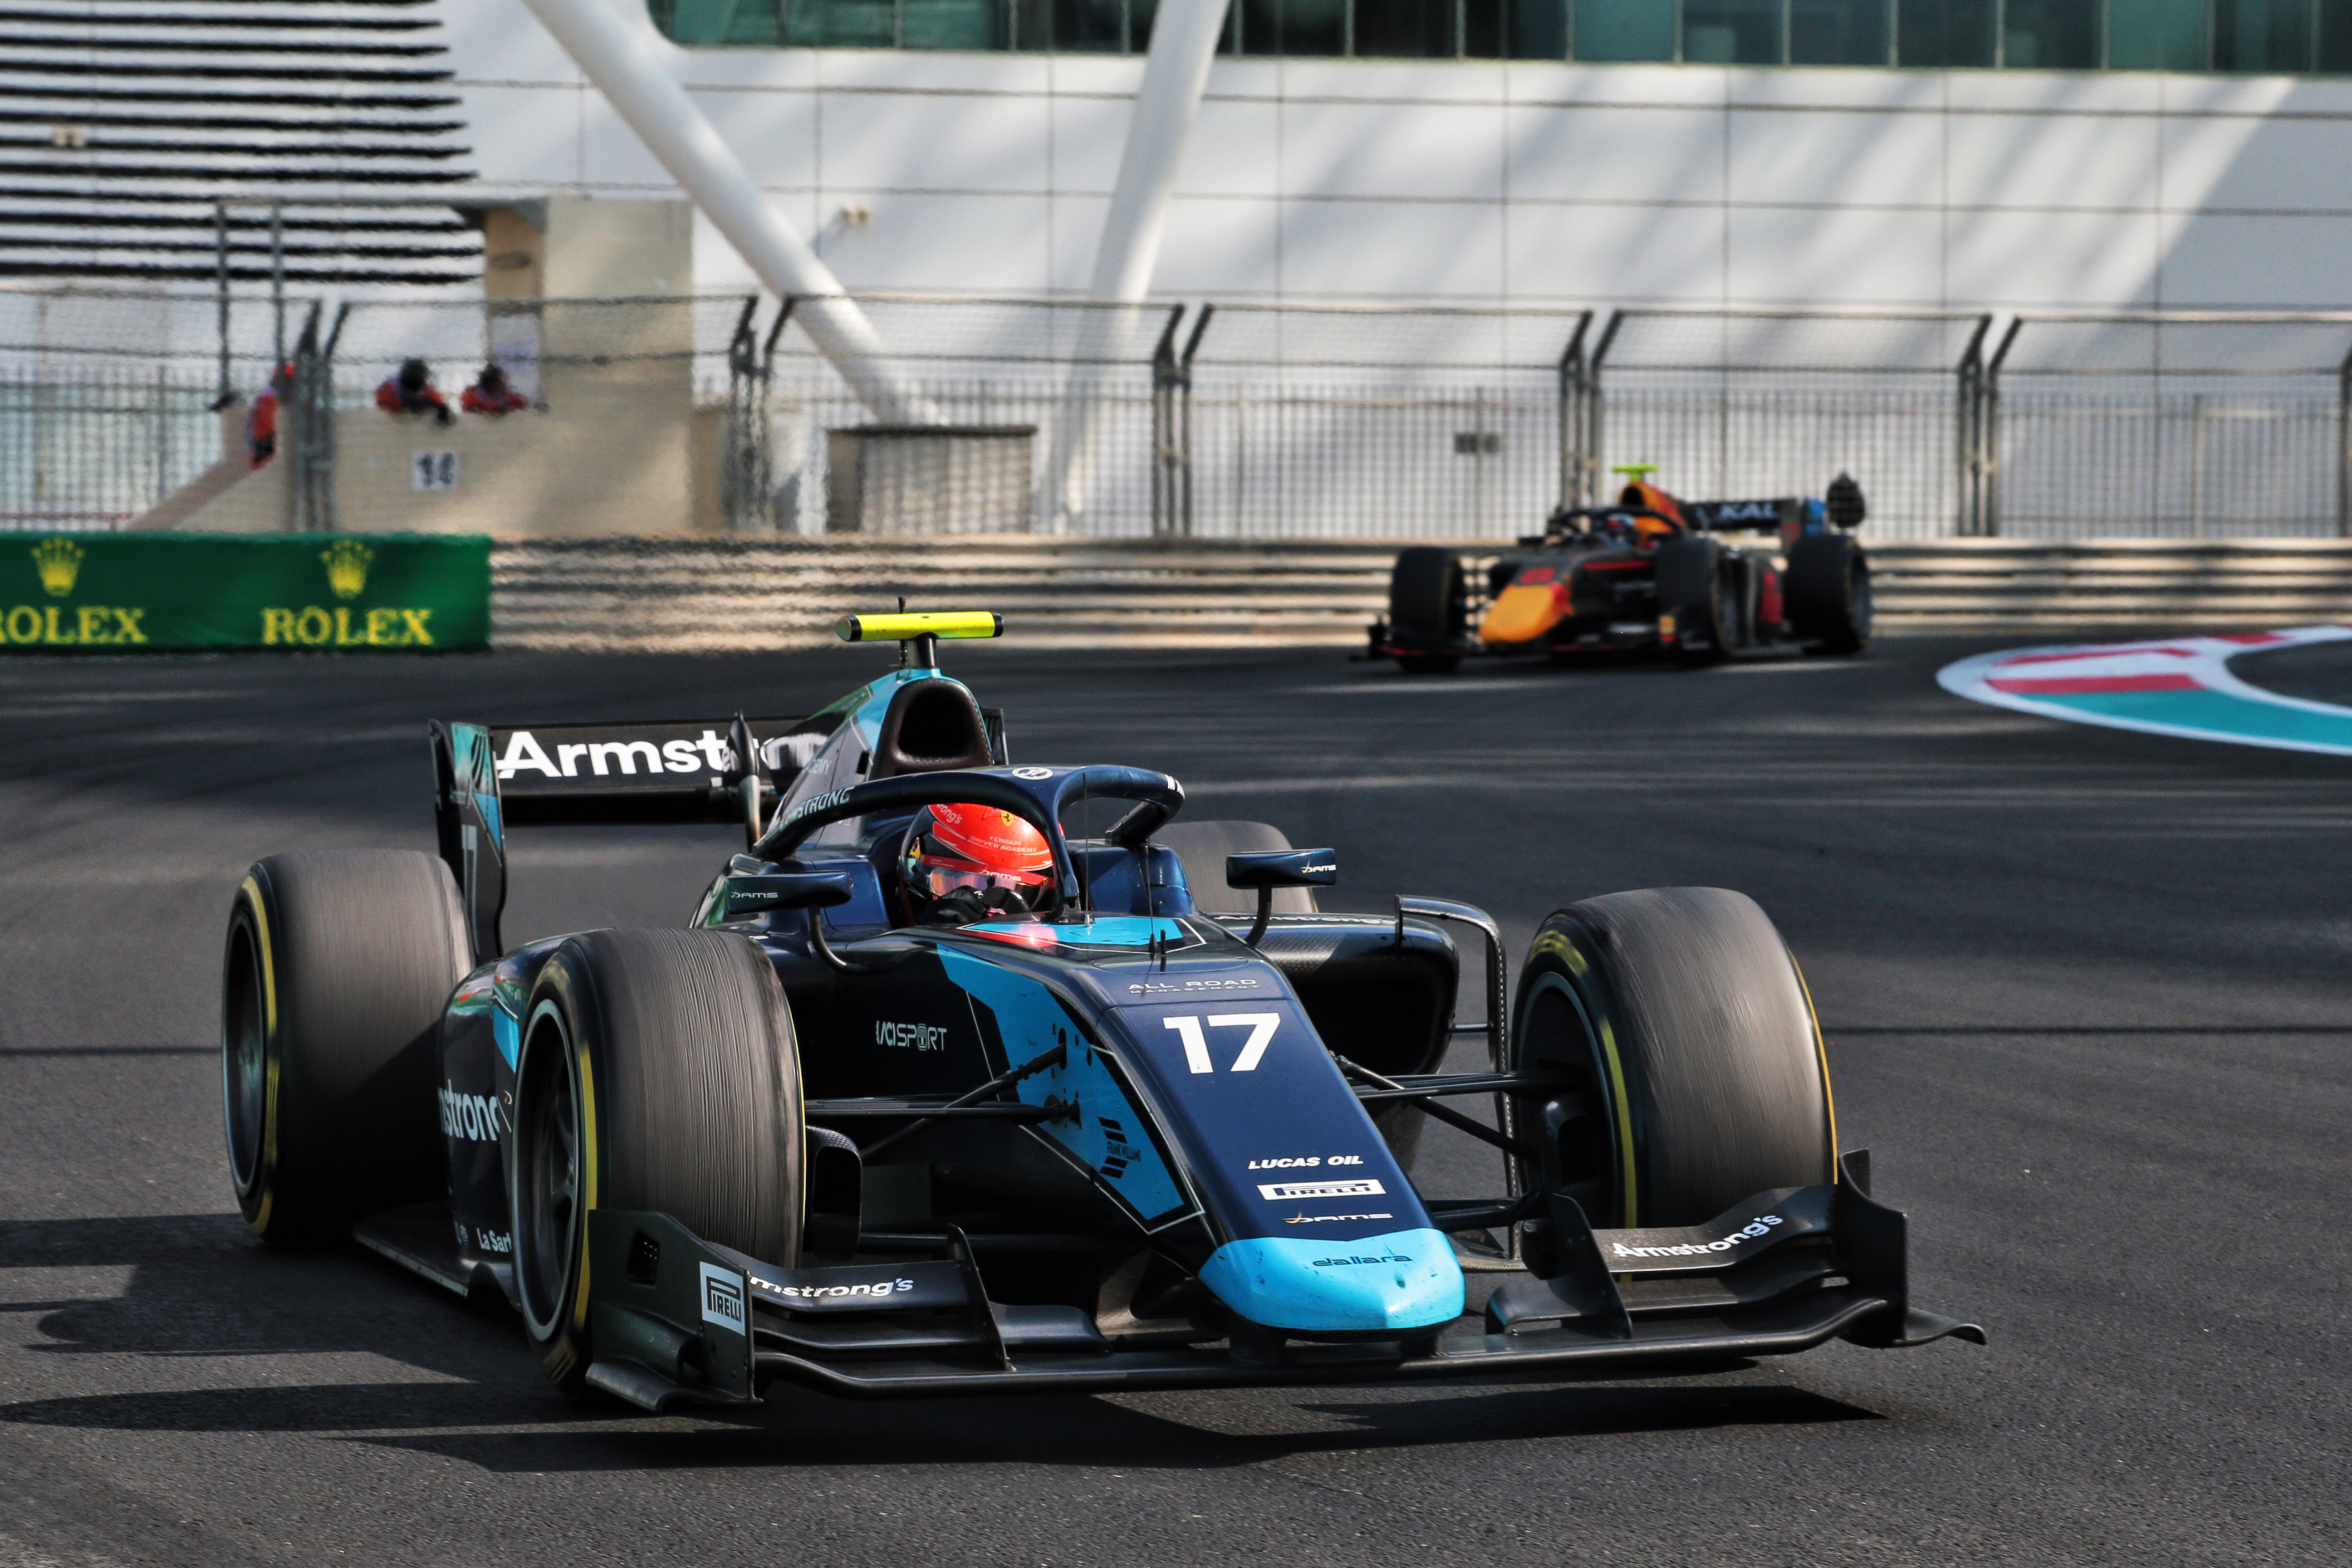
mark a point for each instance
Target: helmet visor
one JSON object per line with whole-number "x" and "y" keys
{"x": 942, "y": 875}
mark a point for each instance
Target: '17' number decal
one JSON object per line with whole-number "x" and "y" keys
{"x": 1261, "y": 1026}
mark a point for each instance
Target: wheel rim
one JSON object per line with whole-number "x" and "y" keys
{"x": 548, "y": 1174}
{"x": 1553, "y": 1013}
{"x": 244, "y": 1072}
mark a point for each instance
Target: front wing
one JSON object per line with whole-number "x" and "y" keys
{"x": 678, "y": 1318}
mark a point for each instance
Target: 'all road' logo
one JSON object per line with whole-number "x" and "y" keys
{"x": 59, "y": 562}
{"x": 347, "y": 562}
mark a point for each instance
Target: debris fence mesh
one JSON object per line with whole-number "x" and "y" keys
{"x": 1205, "y": 419}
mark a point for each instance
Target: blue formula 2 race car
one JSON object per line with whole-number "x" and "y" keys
{"x": 939, "y": 1093}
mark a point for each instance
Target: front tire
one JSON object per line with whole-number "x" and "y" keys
{"x": 1697, "y": 1074}
{"x": 658, "y": 1072}
{"x": 1691, "y": 589}
{"x": 337, "y": 968}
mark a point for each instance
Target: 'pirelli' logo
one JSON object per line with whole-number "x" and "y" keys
{"x": 722, "y": 1298}
{"x": 1284, "y": 1192}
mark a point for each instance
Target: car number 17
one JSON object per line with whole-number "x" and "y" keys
{"x": 1261, "y": 1026}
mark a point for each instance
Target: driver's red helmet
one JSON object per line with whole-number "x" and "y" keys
{"x": 978, "y": 861}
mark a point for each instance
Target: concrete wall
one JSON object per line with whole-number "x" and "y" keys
{"x": 715, "y": 596}
{"x": 1485, "y": 181}
{"x": 618, "y": 448}
{"x": 603, "y": 469}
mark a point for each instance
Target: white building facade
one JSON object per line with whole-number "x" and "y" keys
{"x": 1490, "y": 181}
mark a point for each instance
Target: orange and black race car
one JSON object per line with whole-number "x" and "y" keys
{"x": 1648, "y": 573}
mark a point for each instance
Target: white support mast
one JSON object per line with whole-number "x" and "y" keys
{"x": 1184, "y": 35}
{"x": 616, "y": 47}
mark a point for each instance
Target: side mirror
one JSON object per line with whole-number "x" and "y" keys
{"x": 1269, "y": 869}
{"x": 749, "y": 895}
{"x": 814, "y": 891}
{"x": 1272, "y": 869}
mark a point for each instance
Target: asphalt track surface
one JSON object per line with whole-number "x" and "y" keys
{"x": 2087, "y": 997}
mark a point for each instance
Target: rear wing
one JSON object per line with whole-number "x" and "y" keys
{"x": 1841, "y": 506}
{"x": 652, "y": 772}
{"x": 1742, "y": 516}
{"x": 647, "y": 774}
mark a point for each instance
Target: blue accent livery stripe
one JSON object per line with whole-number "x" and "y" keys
{"x": 1406, "y": 1280}
{"x": 1110, "y": 1136}
{"x": 508, "y": 1033}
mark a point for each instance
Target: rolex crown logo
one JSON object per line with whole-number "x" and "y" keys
{"x": 347, "y": 567}
{"x": 59, "y": 560}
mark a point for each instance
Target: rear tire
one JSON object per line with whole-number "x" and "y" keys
{"x": 1697, "y": 1075}
{"x": 1428, "y": 605}
{"x": 1691, "y": 589}
{"x": 1828, "y": 585}
{"x": 337, "y": 969}
{"x": 658, "y": 1072}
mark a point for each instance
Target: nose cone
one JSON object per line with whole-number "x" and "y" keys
{"x": 1523, "y": 612}
{"x": 1406, "y": 1280}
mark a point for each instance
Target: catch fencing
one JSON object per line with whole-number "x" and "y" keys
{"x": 1752, "y": 404}
{"x": 113, "y": 399}
{"x": 1204, "y": 420}
{"x": 2185, "y": 425}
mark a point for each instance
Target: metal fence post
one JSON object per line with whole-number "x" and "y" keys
{"x": 1988, "y": 519}
{"x": 1166, "y": 455}
{"x": 2344, "y": 448}
{"x": 325, "y": 447}
{"x": 737, "y": 457}
{"x": 763, "y": 474}
{"x": 227, "y": 394}
{"x": 1595, "y": 404}
{"x": 277, "y": 285}
{"x": 1971, "y": 431}
{"x": 1184, "y": 394}
{"x": 299, "y": 423}
{"x": 1575, "y": 461}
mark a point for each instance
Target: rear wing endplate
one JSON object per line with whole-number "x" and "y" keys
{"x": 651, "y": 774}
{"x": 655, "y": 773}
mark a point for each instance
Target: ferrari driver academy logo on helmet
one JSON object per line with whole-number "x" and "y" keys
{"x": 991, "y": 838}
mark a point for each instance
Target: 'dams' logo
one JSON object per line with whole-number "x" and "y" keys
{"x": 57, "y": 561}
{"x": 313, "y": 626}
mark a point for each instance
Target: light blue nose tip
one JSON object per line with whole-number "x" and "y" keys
{"x": 1406, "y": 1280}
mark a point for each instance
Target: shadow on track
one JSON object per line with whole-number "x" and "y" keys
{"x": 201, "y": 1287}
{"x": 1088, "y": 1433}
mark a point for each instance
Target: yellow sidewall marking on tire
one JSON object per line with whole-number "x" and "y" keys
{"x": 1560, "y": 947}
{"x": 251, "y": 892}
{"x": 587, "y": 1179}
{"x": 1822, "y": 1054}
{"x": 1628, "y": 1209}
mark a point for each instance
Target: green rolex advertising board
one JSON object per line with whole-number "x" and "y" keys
{"x": 125, "y": 593}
